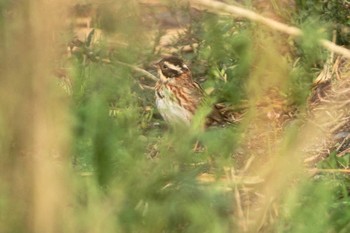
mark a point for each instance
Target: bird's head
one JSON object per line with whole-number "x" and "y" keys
{"x": 170, "y": 68}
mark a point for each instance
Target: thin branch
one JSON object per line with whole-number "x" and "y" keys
{"x": 137, "y": 69}
{"x": 290, "y": 30}
{"x": 335, "y": 48}
{"x": 238, "y": 202}
{"x": 143, "y": 86}
{"x": 317, "y": 170}
{"x": 93, "y": 57}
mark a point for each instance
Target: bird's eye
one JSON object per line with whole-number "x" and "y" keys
{"x": 164, "y": 66}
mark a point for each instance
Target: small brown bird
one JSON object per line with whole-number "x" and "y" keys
{"x": 178, "y": 96}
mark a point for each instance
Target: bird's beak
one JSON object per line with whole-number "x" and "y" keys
{"x": 155, "y": 65}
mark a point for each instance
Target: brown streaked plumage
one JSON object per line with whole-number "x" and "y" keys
{"x": 178, "y": 96}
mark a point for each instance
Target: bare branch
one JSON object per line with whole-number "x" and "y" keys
{"x": 335, "y": 48}
{"x": 137, "y": 69}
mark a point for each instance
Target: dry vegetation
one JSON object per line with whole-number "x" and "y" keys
{"x": 83, "y": 148}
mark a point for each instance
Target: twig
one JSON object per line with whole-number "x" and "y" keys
{"x": 317, "y": 170}
{"x": 89, "y": 54}
{"x": 137, "y": 69}
{"x": 341, "y": 154}
{"x": 313, "y": 158}
{"x": 290, "y": 30}
{"x": 143, "y": 86}
{"x": 335, "y": 48}
{"x": 343, "y": 142}
{"x": 328, "y": 69}
{"x": 238, "y": 203}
